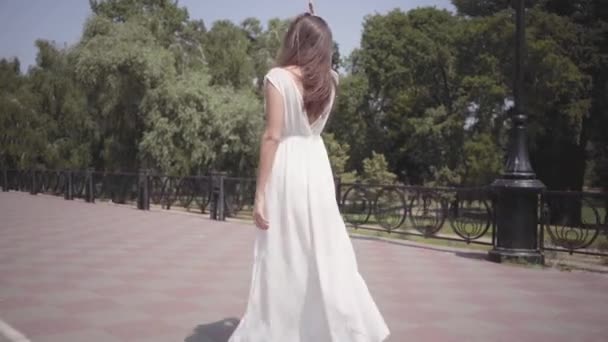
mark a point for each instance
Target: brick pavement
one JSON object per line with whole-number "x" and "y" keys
{"x": 77, "y": 272}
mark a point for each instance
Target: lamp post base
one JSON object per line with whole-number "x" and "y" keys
{"x": 516, "y": 256}
{"x": 517, "y": 221}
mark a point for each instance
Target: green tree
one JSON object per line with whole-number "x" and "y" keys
{"x": 187, "y": 46}
{"x": 482, "y": 161}
{"x": 336, "y": 59}
{"x": 163, "y": 18}
{"x": 566, "y": 82}
{"x": 338, "y": 158}
{"x": 23, "y": 132}
{"x": 476, "y": 8}
{"x": 375, "y": 170}
{"x": 414, "y": 112}
{"x": 192, "y": 127}
{"x": 227, "y": 50}
{"x": 118, "y": 63}
{"x": 264, "y": 45}
{"x": 70, "y": 129}
{"x": 350, "y": 120}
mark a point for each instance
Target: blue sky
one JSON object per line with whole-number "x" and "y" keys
{"x": 24, "y": 21}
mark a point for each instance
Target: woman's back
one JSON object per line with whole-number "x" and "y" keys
{"x": 296, "y": 121}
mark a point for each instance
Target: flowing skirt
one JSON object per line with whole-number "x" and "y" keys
{"x": 305, "y": 284}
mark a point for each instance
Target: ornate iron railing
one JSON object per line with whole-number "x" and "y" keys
{"x": 192, "y": 192}
{"x": 443, "y": 213}
{"x": 239, "y": 196}
{"x": 118, "y": 187}
{"x": 51, "y": 182}
{"x": 574, "y": 222}
{"x": 571, "y": 222}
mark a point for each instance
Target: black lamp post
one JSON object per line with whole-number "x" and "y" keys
{"x": 517, "y": 190}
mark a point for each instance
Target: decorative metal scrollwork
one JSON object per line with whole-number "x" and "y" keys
{"x": 99, "y": 183}
{"x": 356, "y": 205}
{"x": 203, "y": 193}
{"x": 24, "y": 180}
{"x": 470, "y": 215}
{"x": 238, "y": 194}
{"x": 78, "y": 184}
{"x": 157, "y": 189}
{"x": 42, "y": 181}
{"x": 185, "y": 192}
{"x": 118, "y": 187}
{"x": 169, "y": 195}
{"x": 12, "y": 179}
{"x": 390, "y": 208}
{"x": 427, "y": 212}
{"x": 571, "y": 222}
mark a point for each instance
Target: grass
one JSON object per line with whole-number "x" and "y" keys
{"x": 419, "y": 239}
{"x": 375, "y": 230}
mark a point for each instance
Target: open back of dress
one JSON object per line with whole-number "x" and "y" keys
{"x": 305, "y": 285}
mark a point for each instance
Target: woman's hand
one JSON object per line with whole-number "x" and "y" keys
{"x": 259, "y": 213}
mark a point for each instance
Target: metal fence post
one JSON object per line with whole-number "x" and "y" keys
{"x": 89, "y": 194}
{"x": 143, "y": 198}
{"x": 68, "y": 193}
{"x": 543, "y": 221}
{"x": 214, "y": 197}
{"x": 147, "y": 189}
{"x": 338, "y": 184}
{"x": 217, "y": 211}
{"x": 33, "y": 183}
{"x": 21, "y": 186}
{"x": 4, "y": 180}
{"x": 221, "y": 206}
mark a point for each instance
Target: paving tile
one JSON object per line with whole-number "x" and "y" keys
{"x": 82, "y": 335}
{"x": 42, "y": 327}
{"x": 103, "y": 318}
{"x": 131, "y": 330}
{"x": 73, "y": 272}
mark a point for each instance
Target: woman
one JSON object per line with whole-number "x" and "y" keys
{"x": 305, "y": 285}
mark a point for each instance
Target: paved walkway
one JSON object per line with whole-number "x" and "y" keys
{"x": 77, "y": 272}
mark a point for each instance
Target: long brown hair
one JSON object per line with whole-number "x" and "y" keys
{"x": 308, "y": 44}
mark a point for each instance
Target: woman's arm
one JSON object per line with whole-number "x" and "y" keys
{"x": 268, "y": 147}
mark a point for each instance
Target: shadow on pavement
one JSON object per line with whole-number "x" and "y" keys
{"x": 219, "y": 331}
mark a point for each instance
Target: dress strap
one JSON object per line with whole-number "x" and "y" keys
{"x": 276, "y": 77}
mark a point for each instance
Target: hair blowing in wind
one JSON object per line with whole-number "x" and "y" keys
{"x": 308, "y": 44}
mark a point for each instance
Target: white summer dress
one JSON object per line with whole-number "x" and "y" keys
{"x": 305, "y": 285}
